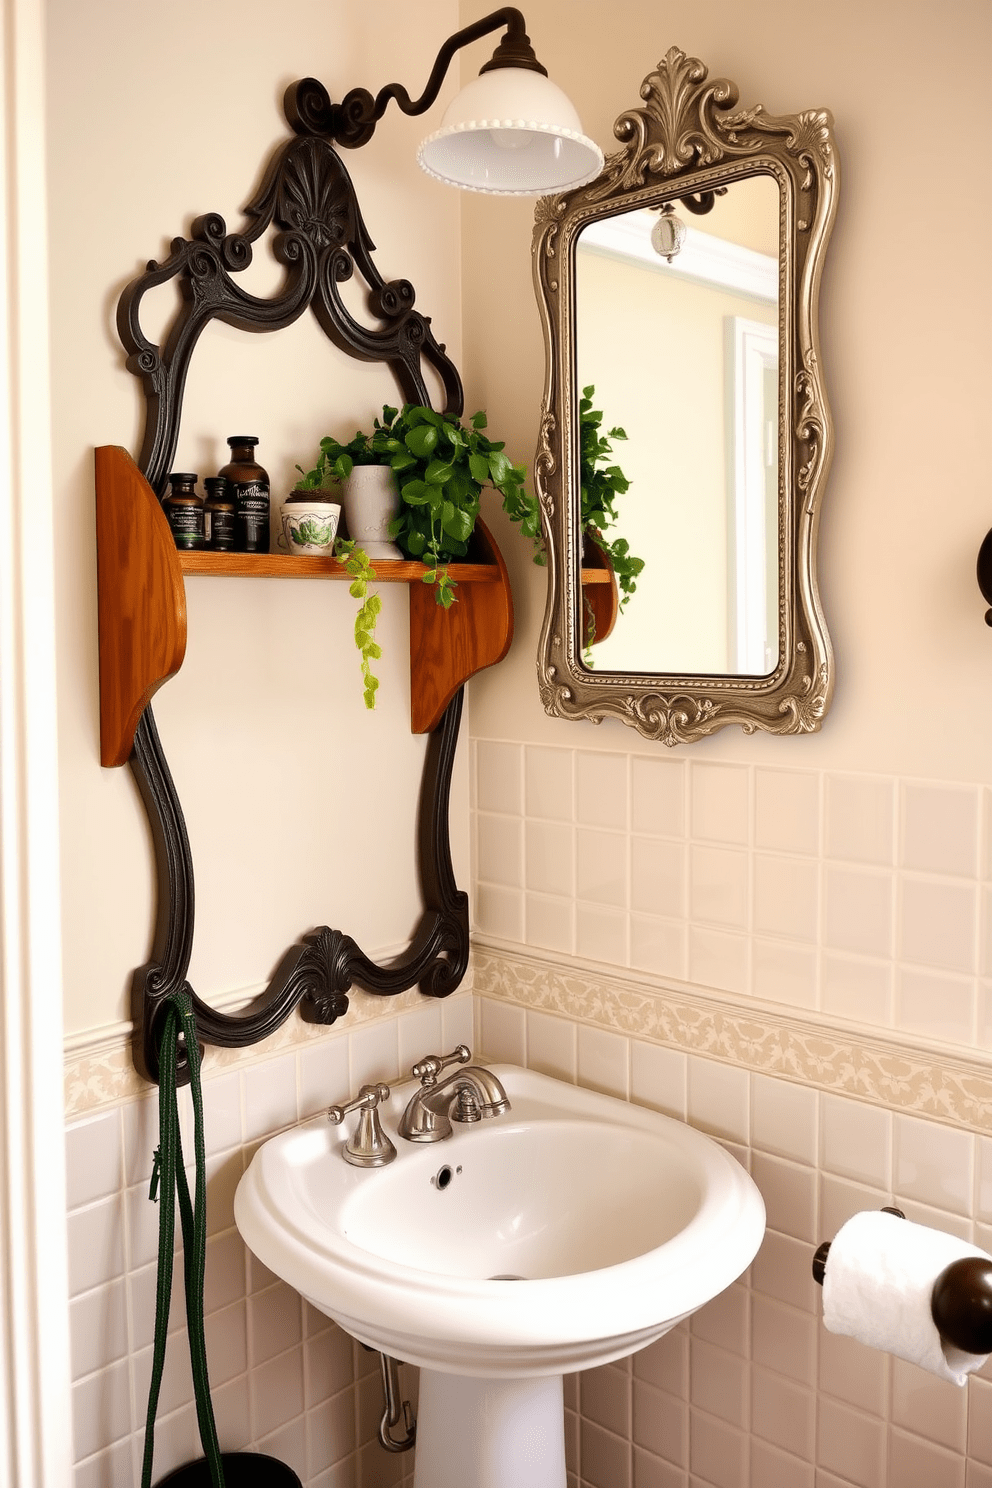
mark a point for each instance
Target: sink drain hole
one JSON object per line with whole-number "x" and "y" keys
{"x": 444, "y": 1176}
{"x": 507, "y": 1277}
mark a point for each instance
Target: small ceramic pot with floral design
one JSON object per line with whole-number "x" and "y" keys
{"x": 310, "y": 523}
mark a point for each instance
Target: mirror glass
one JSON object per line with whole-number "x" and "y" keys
{"x": 682, "y": 350}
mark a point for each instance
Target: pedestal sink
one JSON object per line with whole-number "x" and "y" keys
{"x": 568, "y": 1232}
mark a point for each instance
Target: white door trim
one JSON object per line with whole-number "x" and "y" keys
{"x": 35, "y": 1397}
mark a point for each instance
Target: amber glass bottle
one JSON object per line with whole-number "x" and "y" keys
{"x": 250, "y": 487}
{"x": 184, "y": 509}
{"x": 219, "y": 514}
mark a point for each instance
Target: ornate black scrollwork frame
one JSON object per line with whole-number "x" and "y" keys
{"x": 308, "y": 197}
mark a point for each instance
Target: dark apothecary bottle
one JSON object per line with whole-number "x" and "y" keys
{"x": 219, "y": 515}
{"x": 184, "y": 509}
{"x": 250, "y": 488}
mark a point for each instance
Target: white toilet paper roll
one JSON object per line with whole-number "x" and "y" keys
{"x": 878, "y": 1285}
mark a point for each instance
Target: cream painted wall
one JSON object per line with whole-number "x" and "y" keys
{"x": 674, "y": 411}
{"x": 905, "y": 356}
{"x": 300, "y": 804}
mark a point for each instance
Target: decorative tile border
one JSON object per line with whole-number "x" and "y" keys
{"x": 952, "y": 1089}
{"x": 99, "y": 1069}
{"x": 943, "y": 1087}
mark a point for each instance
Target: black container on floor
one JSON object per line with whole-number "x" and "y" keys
{"x": 241, "y": 1470}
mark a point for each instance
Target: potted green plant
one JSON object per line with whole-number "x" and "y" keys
{"x": 441, "y": 466}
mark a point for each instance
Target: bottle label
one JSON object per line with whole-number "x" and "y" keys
{"x": 251, "y": 499}
{"x": 221, "y": 537}
{"x": 186, "y": 522}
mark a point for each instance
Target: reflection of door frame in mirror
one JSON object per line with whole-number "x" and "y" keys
{"x": 687, "y": 140}
{"x": 752, "y": 351}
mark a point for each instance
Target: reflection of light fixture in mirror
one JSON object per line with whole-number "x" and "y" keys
{"x": 668, "y": 233}
{"x": 510, "y": 131}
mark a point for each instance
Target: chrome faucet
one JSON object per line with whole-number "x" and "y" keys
{"x": 465, "y": 1095}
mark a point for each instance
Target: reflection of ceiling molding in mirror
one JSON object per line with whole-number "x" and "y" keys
{"x": 700, "y": 337}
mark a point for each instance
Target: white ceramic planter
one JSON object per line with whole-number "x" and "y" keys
{"x": 309, "y": 527}
{"x": 371, "y": 497}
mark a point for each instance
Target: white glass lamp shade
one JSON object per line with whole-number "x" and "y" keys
{"x": 513, "y": 132}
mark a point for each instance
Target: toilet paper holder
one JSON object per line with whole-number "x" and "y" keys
{"x": 961, "y": 1304}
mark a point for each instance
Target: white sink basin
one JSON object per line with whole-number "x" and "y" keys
{"x": 619, "y": 1221}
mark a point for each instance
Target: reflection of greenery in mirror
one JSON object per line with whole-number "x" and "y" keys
{"x": 685, "y": 353}
{"x": 601, "y": 481}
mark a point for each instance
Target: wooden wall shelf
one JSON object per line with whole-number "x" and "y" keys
{"x": 142, "y": 606}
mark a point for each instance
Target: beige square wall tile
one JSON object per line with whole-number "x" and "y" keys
{"x": 920, "y": 1406}
{"x": 718, "y": 886}
{"x": 718, "y": 1098}
{"x": 601, "y": 867}
{"x": 724, "y": 1321}
{"x": 938, "y": 924}
{"x": 548, "y": 777}
{"x": 786, "y": 973}
{"x": 661, "y": 946}
{"x": 915, "y": 1463}
{"x": 604, "y": 1061}
{"x": 940, "y": 828}
{"x": 503, "y": 1031}
{"x": 858, "y": 910}
{"x": 549, "y": 851}
{"x": 499, "y": 911}
{"x": 717, "y": 1451}
{"x": 789, "y": 1192}
{"x": 851, "y": 1444}
{"x": 786, "y": 897}
{"x": 856, "y": 988}
{"x": 500, "y": 849}
{"x": 943, "y": 1007}
{"x": 840, "y": 1199}
{"x": 855, "y": 1140}
{"x": 499, "y": 776}
{"x": 658, "y": 796}
{"x": 933, "y": 1164}
{"x": 718, "y": 958}
{"x": 787, "y": 811}
{"x": 860, "y": 819}
{"x": 851, "y": 1372}
{"x": 601, "y": 934}
{"x": 783, "y": 1413}
{"x": 551, "y": 922}
{"x": 784, "y": 1118}
{"x": 658, "y": 876}
{"x": 719, "y": 803}
{"x": 601, "y": 790}
{"x": 658, "y": 1079}
{"x": 784, "y": 1339}
{"x": 718, "y": 1382}
{"x": 552, "y": 1045}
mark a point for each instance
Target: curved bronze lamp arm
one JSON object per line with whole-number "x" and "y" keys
{"x": 352, "y": 122}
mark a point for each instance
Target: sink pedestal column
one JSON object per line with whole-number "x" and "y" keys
{"x": 489, "y": 1433}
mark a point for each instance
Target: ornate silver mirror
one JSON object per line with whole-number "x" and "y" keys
{"x": 682, "y": 285}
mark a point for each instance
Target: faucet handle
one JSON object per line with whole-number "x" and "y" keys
{"x": 428, "y": 1069}
{"x": 369, "y": 1147}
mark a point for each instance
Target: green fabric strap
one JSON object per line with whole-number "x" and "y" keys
{"x": 170, "y": 1169}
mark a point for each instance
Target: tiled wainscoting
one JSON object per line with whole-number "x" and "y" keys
{"x": 753, "y": 1392}
{"x": 284, "y": 1379}
{"x": 861, "y": 897}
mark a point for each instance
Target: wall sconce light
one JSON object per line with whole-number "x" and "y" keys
{"x": 511, "y": 131}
